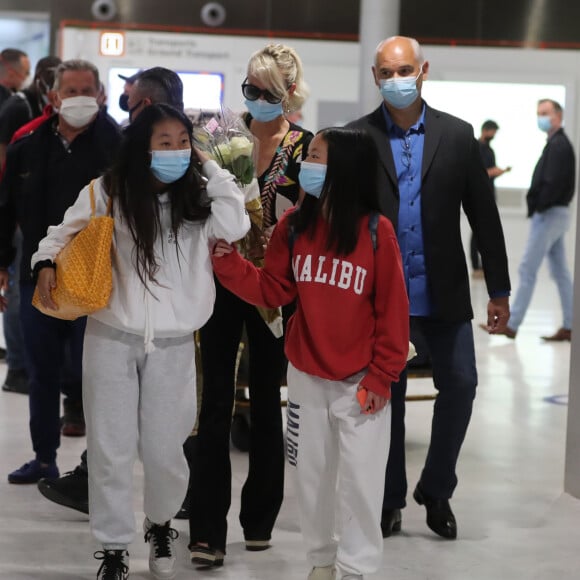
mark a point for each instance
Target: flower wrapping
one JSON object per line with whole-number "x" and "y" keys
{"x": 228, "y": 141}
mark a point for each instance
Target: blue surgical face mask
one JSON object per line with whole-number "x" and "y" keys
{"x": 400, "y": 92}
{"x": 169, "y": 166}
{"x": 263, "y": 111}
{"x": 312, "y": 177}
{"x": 544, "y": 123}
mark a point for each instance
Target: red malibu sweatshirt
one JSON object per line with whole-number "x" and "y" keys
{"x": 352, "y": 311}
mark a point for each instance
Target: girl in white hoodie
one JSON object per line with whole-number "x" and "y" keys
{"x": 138, "y": 363}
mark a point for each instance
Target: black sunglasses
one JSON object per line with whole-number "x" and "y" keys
{"x": 253, "y": 93}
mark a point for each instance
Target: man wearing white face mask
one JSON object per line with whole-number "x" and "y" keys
{"x": 430, "y": 169}
{"x": 44, "y": 174}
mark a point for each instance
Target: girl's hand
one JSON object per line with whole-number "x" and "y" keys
{"x": 202, "y": 155}
{"x": 222, "y": 248}
{"x": 370, "y": 403}
{"x": 45, "y": 283}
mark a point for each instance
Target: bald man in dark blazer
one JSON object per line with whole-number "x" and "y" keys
{"x": 430, "y": 168}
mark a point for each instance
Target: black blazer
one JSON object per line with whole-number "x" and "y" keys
{"x": 554, "y": 175}
{"x": 452, "y": 177}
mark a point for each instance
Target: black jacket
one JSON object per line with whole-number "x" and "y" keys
{"x": 554, "y": 175}
{"x": 43, "y": 179}
{"x": 452, "y": 178}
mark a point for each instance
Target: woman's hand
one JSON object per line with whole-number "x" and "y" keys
{"x": 45, "y": 284}
{"x": 222, "y": 248}
{"x": 4, "y": 281}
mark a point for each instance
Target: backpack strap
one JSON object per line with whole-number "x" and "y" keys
{"x": 373, "y": 225}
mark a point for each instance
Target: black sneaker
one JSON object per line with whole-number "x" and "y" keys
{"x": 115, "y": 564}
{"x": 16, "y": 382}
{"x": 71, "y": 490}
{"x": 161, "y": 550}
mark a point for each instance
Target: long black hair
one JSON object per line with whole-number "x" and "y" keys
{"x": 132, "y": 184}
{"x": 349, "y": 191}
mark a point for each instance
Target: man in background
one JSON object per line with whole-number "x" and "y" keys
{"x": 488, "y": 131}
{"x": 548, "y": 200}
{"x": 14, "y": 72}
{"x": 16, "y": 113}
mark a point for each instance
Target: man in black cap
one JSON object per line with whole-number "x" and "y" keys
{"x": 129, "y": 82}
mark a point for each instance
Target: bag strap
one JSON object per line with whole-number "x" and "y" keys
{"x": 373, "y": 226}
{"x": 92, "y": 196}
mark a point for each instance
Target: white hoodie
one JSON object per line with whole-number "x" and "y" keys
{"x": 183, "y": 299}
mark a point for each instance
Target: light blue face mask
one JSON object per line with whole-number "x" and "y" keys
{"x": 263, "y": 111}
{"x": 400, "y": 92}
{"x": 544, "y": 123}
{"x": 312, "y": 177}
{"x": 169, "y": 166}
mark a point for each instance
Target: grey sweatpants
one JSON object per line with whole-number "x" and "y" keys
{"x": 135, "y": 403}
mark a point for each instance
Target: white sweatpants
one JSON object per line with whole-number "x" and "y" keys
{"x": 135, "y": 404}
{"x": 340, "y": 457}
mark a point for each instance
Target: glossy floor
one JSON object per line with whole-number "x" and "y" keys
{"x": 515, "y": 522}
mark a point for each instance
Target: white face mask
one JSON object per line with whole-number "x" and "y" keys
{"x": 78, "y": 111}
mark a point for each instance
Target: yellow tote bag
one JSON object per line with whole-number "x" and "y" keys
{"x": 84, "y": 275}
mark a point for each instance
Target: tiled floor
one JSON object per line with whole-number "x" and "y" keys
{"x": 515, "y": 523}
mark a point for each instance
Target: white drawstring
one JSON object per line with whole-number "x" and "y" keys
{"x": 149, "y": 331}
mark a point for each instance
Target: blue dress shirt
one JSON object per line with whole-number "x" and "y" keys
{"x": 407, "y": 148}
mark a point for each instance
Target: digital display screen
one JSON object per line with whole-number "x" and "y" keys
{"x": 518, "y": 142}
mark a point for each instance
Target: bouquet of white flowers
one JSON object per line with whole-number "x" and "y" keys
{"x": 227, "y": 140}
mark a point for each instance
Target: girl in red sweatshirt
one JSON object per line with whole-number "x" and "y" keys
{"x": 346, "y": 344}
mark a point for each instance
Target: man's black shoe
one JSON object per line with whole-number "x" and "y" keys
{"x": 16, "y": 382}
{"x": 440, "y": 518}
{"x": 70, "y": 490}
{"x": 391, "y": 522}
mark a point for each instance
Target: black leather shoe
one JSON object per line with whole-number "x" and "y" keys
{"x": 440, "y": 518}
{"x": 70, "y": 490}
{"x": 391, "y": 522}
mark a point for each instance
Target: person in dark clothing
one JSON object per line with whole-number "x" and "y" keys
{"x": 44, "y": 174}
{"x": 488, "y": 131}
{"x": 14, "y": 71}
{"x": 27, "y": 104}
{"x": 429, "y": 169}
{"x": 274, "y": 85}
{"x": 548, "y": 200}
{"x": 16, "y": 112}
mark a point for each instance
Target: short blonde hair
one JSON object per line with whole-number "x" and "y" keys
{"x": 278, "y": 67}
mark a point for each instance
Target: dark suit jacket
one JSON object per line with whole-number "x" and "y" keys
{"x": 554, "y": 175}
{"x": 452, "y": 177}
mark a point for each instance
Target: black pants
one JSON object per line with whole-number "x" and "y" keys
{"x": 263, "y": 490}
{"x": 455, "y": 378}
{"x": 46, "y": 340}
